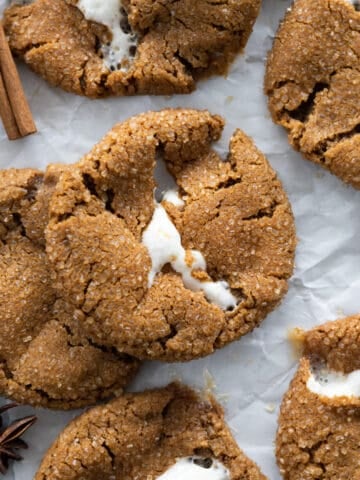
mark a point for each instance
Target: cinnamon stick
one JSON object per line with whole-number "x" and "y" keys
{"x": 6, "y": 114}
{"x": 14, "y": 107}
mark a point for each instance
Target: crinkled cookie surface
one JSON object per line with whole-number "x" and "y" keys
{"x": 313, "y": 83}
{"x": 142, "y": 435}
{"x": 234, "y": 212}
{"x": 318, "y": 436}
{"x": 177, "y": 43}
{"x": 44, "y": 358}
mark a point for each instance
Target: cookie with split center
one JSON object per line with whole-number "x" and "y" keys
{"x": 163, "y": 434}
{"x": 319, "y": 424}
{"x": 127, "y": 47}
{"x": 313, "y": 83}
{"x": 44, "y": 358}
{"x": 172, "y": 270}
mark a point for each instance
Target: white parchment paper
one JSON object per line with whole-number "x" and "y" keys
{"x": 249, "y": 376}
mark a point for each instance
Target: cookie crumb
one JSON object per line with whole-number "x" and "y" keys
{"x": 270, "y": 407}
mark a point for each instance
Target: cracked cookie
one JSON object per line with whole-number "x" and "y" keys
{"x": 131, "y": 46}
{"x": 175, "y": 276}
{"x": 313, "y": 83}
{"x": 44, "y": 358}
{"x": 165, "y": 434}
{"x": 319, "y": 425}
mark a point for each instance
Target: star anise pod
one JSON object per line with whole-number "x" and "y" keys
{"x": 10, "y": 440}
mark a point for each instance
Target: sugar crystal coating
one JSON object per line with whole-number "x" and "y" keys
{"x": 234, "y": 221}
{"x": 162, "y": 47}
{"x": 45, "y": 358}
{"x": 319, "y": 424}
{"x": 313, "y": 83}
{"x": 142, "y": 435}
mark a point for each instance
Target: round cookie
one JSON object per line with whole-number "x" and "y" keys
{"x": 142, "y": 435}
{"x": 319, "y": 425}
{"x": 313, "y": 83}
{"x": 144, "y": 47}
{"x": 45, "y": 359}
{"x": 174, "y": 279}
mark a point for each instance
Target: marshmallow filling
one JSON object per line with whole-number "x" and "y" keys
{"x": 331, "y": 384}
{"x": 196, "y": 468}
{"x": 122, "y": 48}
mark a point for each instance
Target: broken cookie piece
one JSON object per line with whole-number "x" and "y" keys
{"x": 313, "y": 83}
{"x": 127, "y": 47}
{"x": 45, "y": 360}
{"x": 163, "y": 434}
{"x": 175, "y": 276}
{"x": 319, "y": 424}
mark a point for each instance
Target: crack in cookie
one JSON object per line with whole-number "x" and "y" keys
{"x": 172, "y": 430}
{"x": 234, "y": 212}
{"x": 319, "y": 423}
{"x": 163, "y": 243}
{"x": 45, "y": 360}
{"x": 123, "y": 44}
{"x": 131, "y": 46}
{"x": 313, "y": 83}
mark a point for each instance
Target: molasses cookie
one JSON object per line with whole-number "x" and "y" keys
{"x": 127, "y": 47}
{"x": 45, "y": 360}
{"x": 162, "y": 434}
{"x": 313, "y": 83}
{"x": 319, "y": 424}
{"x": 170, "y": 277}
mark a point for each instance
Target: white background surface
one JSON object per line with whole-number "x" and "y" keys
{"x": 252, "y": 374}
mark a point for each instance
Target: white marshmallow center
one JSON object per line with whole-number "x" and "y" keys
{"x": 331, "y": 384}
{"x": 163, "y": 243}
{"x": 189, "y": 469}
{"x": 111, "y": 14}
